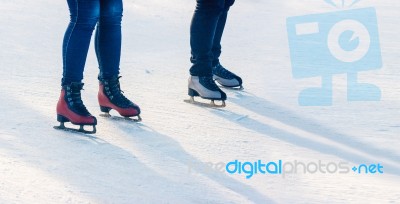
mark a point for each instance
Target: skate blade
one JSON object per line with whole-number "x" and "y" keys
{"x": 136, "y": 120}
{"x": 207, "y": 105}
{"x": 80, "y": 130}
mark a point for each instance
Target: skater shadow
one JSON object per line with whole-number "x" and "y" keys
{"x": 163, "y": 149}
{"x": 273, "y": 111}
{"x": 85, "y": 136}
{"x": 94, "y": 169}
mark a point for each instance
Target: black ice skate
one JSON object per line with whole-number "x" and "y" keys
{"x": 226, "y": 78}
{"x": 205, "y": 87}
{"x": 70, "y": 108}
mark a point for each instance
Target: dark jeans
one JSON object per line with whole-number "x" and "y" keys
{"x": 85, "y": 14}
{"x": 206, "y": 30}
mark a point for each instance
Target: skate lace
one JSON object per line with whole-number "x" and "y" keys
{"x": 77, "y": 101}
{"x": 118, "y": 95}
{"x": 222, "y": 72}
{"x": 209, "y": 83}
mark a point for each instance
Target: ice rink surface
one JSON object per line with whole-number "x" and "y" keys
{"x": 175, "y": 154}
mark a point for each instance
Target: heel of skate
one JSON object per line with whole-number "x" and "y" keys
{"x": 62, "y": 119}
{"x": 193, "y": 93}
{"x": 106, "y": 111}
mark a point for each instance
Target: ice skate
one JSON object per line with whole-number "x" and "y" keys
{"x": 70, "y": 108}
{"x": 111, "y": 96}
{"x": 205, "y": 88}
{"x": 226, "y": 78}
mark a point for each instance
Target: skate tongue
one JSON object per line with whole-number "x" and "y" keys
{"x": 77, "y": 85}
{"x": 209, "y": 83}
{"x": 75, "y": 97}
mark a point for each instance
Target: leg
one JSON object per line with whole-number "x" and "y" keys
{"x": 70, "y": 108}
{"x": 216, "y": 48}
{"x": 223, "y": 76}
{"x": 84, "y": 16}
{"x": 108, "y": 51}
{"x": 108, "y": 38}
{"x": 202, "y": 32}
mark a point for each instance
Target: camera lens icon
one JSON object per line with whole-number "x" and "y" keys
{"x": 349, "y": 41}
{"x": 341, "y": 42}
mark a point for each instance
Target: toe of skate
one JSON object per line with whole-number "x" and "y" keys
{"x": 218, "y": 106}
{"x": 138, "y": 119}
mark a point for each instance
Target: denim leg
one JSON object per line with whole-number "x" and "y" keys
{"x": 216, "y": 49}
{"x": 202, "y": 32}
{"x": 84, "y": 16}
{"x": 108, "y": 38}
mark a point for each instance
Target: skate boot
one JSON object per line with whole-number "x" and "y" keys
{"x": 226, "y": 78}
{"x": 205, "y": 87}
{"x": 110, "y": 97}
{"x": 70, "y": 108}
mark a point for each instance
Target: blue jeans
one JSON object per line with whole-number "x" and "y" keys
{"x": 85, "y": 14}
{"x": 206, "y": 31}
